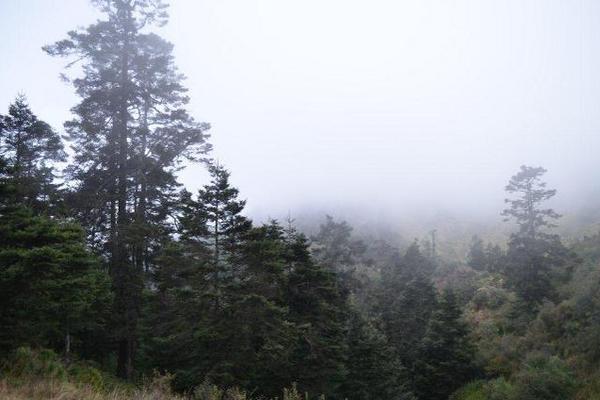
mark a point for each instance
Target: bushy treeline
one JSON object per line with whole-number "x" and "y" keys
{"x": 113, "y": 261}
{"x": 232, "y": 303}
{"x": 530, "y": 305}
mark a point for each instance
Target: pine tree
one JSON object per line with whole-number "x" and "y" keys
{"x": 257, "y": 322}
{"x": 214, "y": 223}
{"x": 374, "y": 371}
{"x": 317, "y": 304}
{"x": 405, "y": 303}
{"x": 445, "y": 358}
{"x": 29, "y": 146}
{"x": 526, "y": 209}
{"x": 495, "y": 258}
{"x": 52, "y": 290}
{"x": 534, "y": 267}
{"x": 535, "y": 258}
{"x": 219, "y": 305}
{"x": 334, "y": 247}
{"x": 173, "y": 311}
{"x": 477, "y": 258}
{"x": 130, "y": 134}
{"x": 5, "y": 186}
{"x": 198, "y": 283}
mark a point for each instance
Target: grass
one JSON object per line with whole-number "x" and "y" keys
{"x": 41, "y": 375}
{"x": 58, "y": 390}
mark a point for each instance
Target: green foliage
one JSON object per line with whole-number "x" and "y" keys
{"x": 500, "y": 389}
{"x": 208, "y": 391}
{"x": 130, "y": 133}
{"x": 27, "y": 363}
{"x": 374, "y": 372}
{"x": 588, "y": 248}
{"x": 540, "y": 378}
{"x": 216, "y": 302}
{"x": 29, "y": 374}
{"x": 318, "y": 307}
{"x": 526, "y": 207}
{"x": 218, "y": 310}
{"x": 88, "y": 375}
{"x": 544, "y": 377}
{"x": 535, "y": 259}
{"x": 334, "y": 247}
{"x": 476, "y": 258}
{"x": 405, "y": 302}
{"x": 52, "y": 291}
{"x": 472, "y": 391}
{"x": 446, "y": 355}
{"x": 534, "y": 266}
{"x": 28, "y": 147}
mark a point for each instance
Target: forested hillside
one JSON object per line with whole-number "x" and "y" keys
{"x": 117, "y": 282}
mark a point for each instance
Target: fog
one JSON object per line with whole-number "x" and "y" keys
{"x": 380, "y": 108}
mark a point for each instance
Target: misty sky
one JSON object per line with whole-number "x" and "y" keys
{"x": 363, "y": 104}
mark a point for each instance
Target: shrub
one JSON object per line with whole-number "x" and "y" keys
{"x": 500, "y": 389}
{"x": 28, "y": 363}
{"x": 85, "y": 374}
{"x": 547, "y": 378}
{"x": 471, "y": 391}
{"x": 208, "y": 391}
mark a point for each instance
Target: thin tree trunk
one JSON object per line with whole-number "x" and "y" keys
{"x": 67, "y": 345}
{"x": 126, "y": 286}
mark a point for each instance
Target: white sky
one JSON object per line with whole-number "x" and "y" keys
{"x": 362, "y": 104}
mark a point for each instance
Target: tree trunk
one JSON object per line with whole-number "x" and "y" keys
{"x": 125, "y": 296}
{"x": 68, "y": 346}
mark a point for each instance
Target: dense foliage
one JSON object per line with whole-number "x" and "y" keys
{"x": 113, "y": 263}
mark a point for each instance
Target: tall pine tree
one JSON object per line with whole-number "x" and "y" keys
{"x": 130, "y": 133}
{"x": 535, "y": 257}
{"x": 218, "y": 312}
{"x": 214, "y": 222}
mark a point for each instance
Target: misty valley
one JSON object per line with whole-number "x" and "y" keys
{"x": 148, "y": 255}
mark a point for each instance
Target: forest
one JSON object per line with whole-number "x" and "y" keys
{"x": 118, "y": 282}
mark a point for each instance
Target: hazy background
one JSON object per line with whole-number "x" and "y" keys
{"x": 381, "y": 108}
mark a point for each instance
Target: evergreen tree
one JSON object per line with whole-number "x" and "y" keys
{"x": 445, "y": 359}
{"x": 526, "y": 209}
{"x": 173, "y": 311}
{"x": 5, "y": 187}
{"x": 28, "y": 147}
{"x": 257, "y": 322}
{"x": 219, "y": 304}
{"x": 318, "y": 307}
{"x": 214, "y": 223}
{"x": 535, "y": 266}
{"x": 198, "y": 283}
{"x": 130, "y": 134}
{"x": 495, "y": 258}
{"x": 535, "y": 258}
{"x": 52, "y": 291}
{"x": 334, "y": 247}
{"x": 477, "y": 258}
{"x": 374, "y": 371}
{"x": 415, "y": 263}
{"x": 405, "y": 302}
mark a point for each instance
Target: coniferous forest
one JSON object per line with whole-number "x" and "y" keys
{"x": 118, "y": 282}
